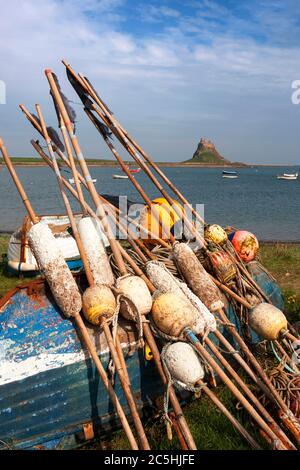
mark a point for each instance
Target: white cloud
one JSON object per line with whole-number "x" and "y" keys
{"x": 193, "y": 66}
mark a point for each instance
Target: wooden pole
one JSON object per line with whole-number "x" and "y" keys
{"x": 126, "y": 387}
{"x": 238, "y": 395}
{"x": 78, "y": 320}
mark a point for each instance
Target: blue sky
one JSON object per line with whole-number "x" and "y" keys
{"x": 172, "y": 71}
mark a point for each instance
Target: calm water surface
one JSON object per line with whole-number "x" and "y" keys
{"x": 256, "y": 201}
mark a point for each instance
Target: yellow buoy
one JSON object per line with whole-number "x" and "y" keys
{"x": 216, "y": 234}
{"x": 166, "y": 215}
{"x": 172, "y": 313}
{"x": 97, "y": 302}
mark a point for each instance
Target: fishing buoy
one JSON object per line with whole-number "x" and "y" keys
{"x": 164, "y": 281}
{"x": 216, "y": 234}
{"x": 91, "y": 235}
{"x": 172, "y": 313}
{"x": 268, "y": 321}
{"x": 183, "y": 363}
{"x": 197, "y": 278}
{"x": 97, "y": 302}
{"x": 136, "y": 291}
{"x": 245, "y": 244}
{"x": 52, "y": 263}
{"x": 224, "y": 268}
{"x": 166, "y": 214}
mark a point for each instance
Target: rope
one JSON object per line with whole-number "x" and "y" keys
{"x": 281, "y": 361}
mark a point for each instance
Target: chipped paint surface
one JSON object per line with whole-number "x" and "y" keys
{"x": 49, "y": 386}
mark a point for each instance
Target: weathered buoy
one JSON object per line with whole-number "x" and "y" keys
{"x": 52, "y": 264}
{"x": 91, "y": 236}
{"x": 245, "y": 244}
{"x": 164, "y": 281}
{"x": 98, "y": 302}
{"x": 135, "y": 289}
{"x": 183, "y": 363}
{"x": 167, "y": 215}
{"x": 268, "y": 321}
{"x": 224, "y": 268}
{"x": 196, "y": 277}
{"x": 216, "y": 234}
{"x": 172, "y": 313}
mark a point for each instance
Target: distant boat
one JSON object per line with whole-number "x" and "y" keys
{"x": 71, "y": 180}
{"x": 120, "y": 177}
{"x": 135, "y": 170}
{"x": 288, "y": 176}
{"x": 230, "y": 174}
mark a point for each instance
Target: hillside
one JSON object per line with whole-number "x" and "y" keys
{"x": 207, "y": 154}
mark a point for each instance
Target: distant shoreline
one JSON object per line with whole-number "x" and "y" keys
{"x": 160, "y": 164}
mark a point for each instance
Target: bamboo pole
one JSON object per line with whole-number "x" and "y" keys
{"x": 236, "y": 424}
{"x": 114, "y": 244}
{"x": 235, "y": 391}
{"x": 78, "y": 320}
{"x": 126, "y": 387}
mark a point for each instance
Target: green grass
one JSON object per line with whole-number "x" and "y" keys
{"x": 211, "y": 430}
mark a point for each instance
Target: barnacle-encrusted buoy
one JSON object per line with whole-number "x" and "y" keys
{"x": 98, "y": 302}
{"x": 268, "y": 321}
{"x": 57, "y": 273}
{"x": 135, "y": 289}
{"x": 196, "y": 277}
{"x": 183, "y": 363}
{"x": 173, "y": 312}
{"x": 216, "y": 234}
{"x": 245, "y": 244}
{"x": 91, "y": 236}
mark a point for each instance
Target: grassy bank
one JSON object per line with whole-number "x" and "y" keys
{"x": 209, "y": 428}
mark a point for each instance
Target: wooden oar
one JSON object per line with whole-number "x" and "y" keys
{"x": 117, "y": 251}
{"x": 78, "y": 320}
{"x": 121, "y": 373}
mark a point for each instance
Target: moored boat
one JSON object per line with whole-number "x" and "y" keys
{"x": 71, "y": 180}
{"x": 120, "y": 177}
{"x": 20, "y": 256}
{"x": 288, "y": 176}
{"x": 230, "y": 174}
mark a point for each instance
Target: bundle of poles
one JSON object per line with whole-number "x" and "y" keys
{"x": 185, "y": 312}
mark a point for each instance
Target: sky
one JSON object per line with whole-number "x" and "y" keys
{"x": 172, "y": 72}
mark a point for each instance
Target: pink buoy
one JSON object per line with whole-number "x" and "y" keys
{"x": 245, "y": 244}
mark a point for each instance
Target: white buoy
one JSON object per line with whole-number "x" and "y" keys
{"x": 92, "y": 239}
{"x": 136, "y": 290}
{"x": 268, "y": 321}
{"x": 57, "y": 273}
{"x": 183, "y": 363}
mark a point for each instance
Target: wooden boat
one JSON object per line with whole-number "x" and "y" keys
{"x": 50, "y": 392}
{"x": 20, "y": 257}
{"x": 288, "y": 176}
{"x": 120, "y": 177}
{"x": 230, "y": 174}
